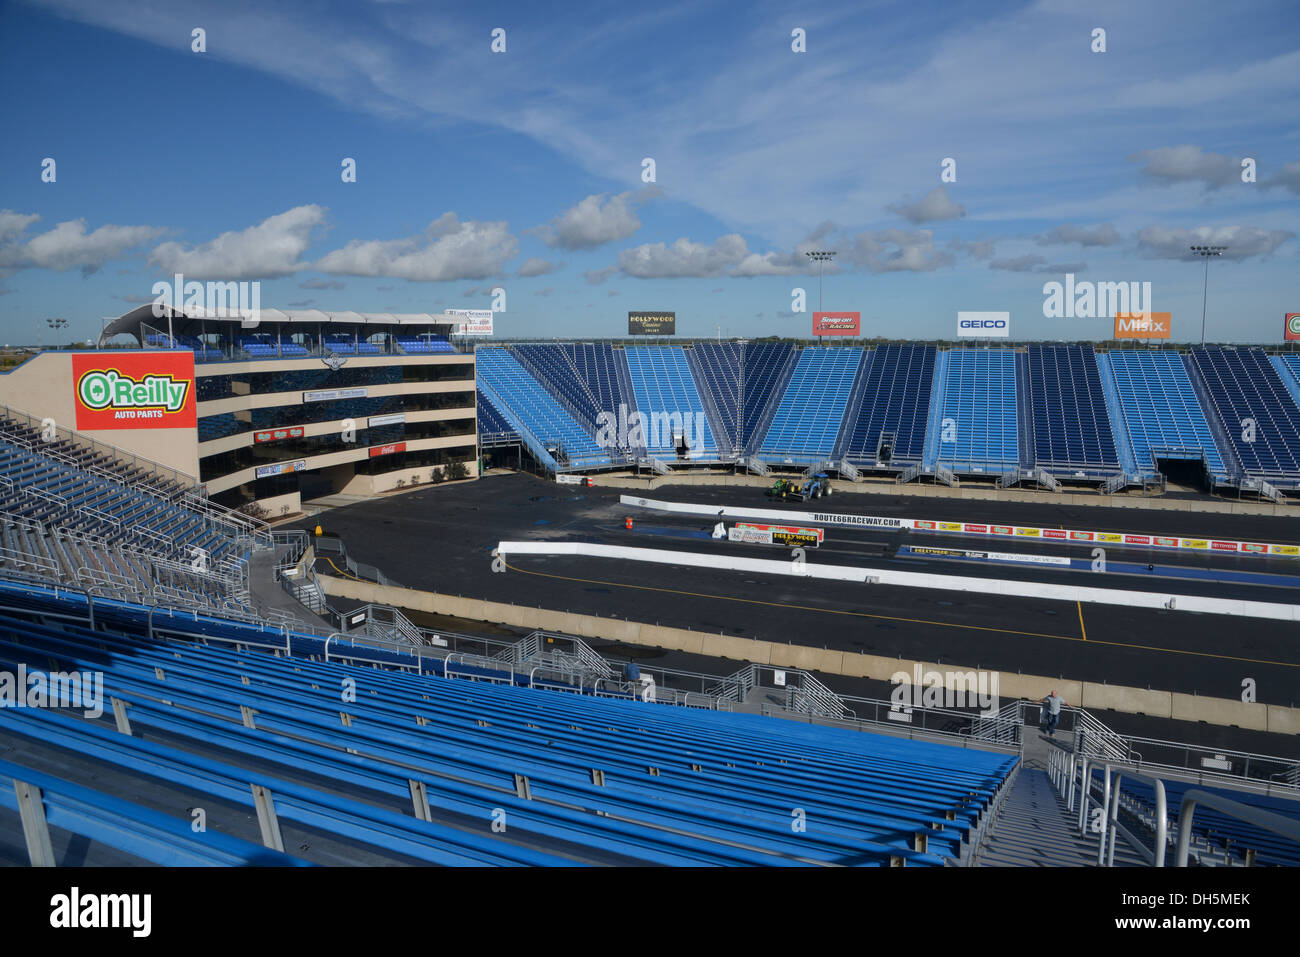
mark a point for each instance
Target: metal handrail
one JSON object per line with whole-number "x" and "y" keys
{"x": 1276, "y": 823}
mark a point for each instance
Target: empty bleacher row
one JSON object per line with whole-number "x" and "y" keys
{"x": 1064, "y": 409}
{"x": 272, "y": 346}
{"x": 570, "y": 779}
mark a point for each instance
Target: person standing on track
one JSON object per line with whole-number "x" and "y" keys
{"x": 1052, "y": 711}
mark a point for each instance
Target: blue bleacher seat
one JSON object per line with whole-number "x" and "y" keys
{"x": 895, "y": 400}
{"x": 807, "y": 421}
{"x": 1244, "y": 387}
{"x": 979, "y": 396}
{"x": 1071, "y": 428}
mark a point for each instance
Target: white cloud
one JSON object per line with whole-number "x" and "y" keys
{"x": 536, "y": 266}
{"x": 1187, "y": 163}
{"x": 597, "y": 276}
{"x": 934, "y": 206}
{"x": 448, "y": 250}
{"x": 683, "y": 259}
{"x": 1243, "y": 242}
{"x": 597, "y": 220}
{"x": 896, "y": 250}
{"x": 67, "y": 245}
{"x": 322, "y": 284}
{"x": 1102, "y": 235}
{"x": 1287, "y": 177}
{"x": 272, "y": 248}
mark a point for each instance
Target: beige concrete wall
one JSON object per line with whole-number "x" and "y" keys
{"x": 912, "y": 490}
{"x": 43, "y": 387}
{"x": 1158, "y": 704}
{"x": 228, "y": 443}
{"x": 269, "y": 400}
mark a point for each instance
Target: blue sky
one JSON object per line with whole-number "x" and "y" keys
{"x": 523, "y": 169}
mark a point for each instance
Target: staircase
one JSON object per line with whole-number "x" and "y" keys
{"x": 1033, "y": 827}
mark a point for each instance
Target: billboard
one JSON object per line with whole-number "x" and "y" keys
{"x": 387, "y": 449}
{"x": 1138, "y": 325}
{"x": 331, "y": 395}
{"x": 837, "y": 323}
{"x": 1291, "y": 329}
{"x": 394, "y": 419}
{"x": 651, "y": 323}
{"x": 277, "y": 435}
{"x": 473, "y": 322}
{"x": 983, "y": 325}
{"x": 134, "y": 390}
{"x": 280, "y": 468}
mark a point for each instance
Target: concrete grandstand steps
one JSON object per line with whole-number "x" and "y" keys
{"x": 1033, "y": 828}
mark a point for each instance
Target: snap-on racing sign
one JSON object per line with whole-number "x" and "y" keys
{"x": 837, "y": 323}
{"x": 134, "y": 390}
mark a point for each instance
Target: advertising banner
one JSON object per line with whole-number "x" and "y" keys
{"x": 983, "y": 325}
{"x": 394, "y": 419}
{"x": 651, "y": 323}
{"x": 276, "y": 435}
{"x": 1291, "y": 326}
{"x": 134, "y": 390}
{"x": 281, "y": 468}
{"x": 1137, "y": 325}
{"x": 778, "y": 534}
{"x": 837, "y": 324}
{"x": 387, "y": 449}
{"x": 330, "y": 395}
{"x": 473, "y": 322}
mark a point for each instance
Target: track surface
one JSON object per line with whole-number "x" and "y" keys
{"x": 441, "y": 539}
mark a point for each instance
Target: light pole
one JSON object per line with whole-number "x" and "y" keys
{"x": 56, "y": 325}
{"x": 821, "y": 257}
{"x": 1206, "y": 252}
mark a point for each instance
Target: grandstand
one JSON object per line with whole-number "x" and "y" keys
{"x": 978, "y": 394}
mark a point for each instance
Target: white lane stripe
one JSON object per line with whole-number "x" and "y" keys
{"x": 886, "y": 576}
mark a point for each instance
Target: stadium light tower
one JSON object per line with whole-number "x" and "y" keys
{"x": 821, "y": 257}
{"x": 56, "y": 325}
{"x": 1206, "y": 252}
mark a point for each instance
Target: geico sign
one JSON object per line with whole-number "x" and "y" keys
{"x": 983, "y": 324}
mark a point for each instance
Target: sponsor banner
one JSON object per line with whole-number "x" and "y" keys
{"x": 1195, "y": 543}
{"x": 1002, "y": 530}
{"x": 329, "y": 395}
{"x": 134, "y": 390}
{"x": 472, "y": 322}
{"x": 837, "y": 323}
{"x": 389, "y": 449}
{"x": 751, "y": 535}
{"x": 377, "y": 420}
{"x": 1027, "y": 559}
{"x": 1081, "y": 536}
{"x": 926, "y": 525}
{"x": 786, "y": 534}
{"x": 1109, "y": 537}
{"x": 1029, "y": 532}
{"x": 1054, "y": 533}
{"x": 566, "y": 478}
{"x": 651, "y": 323}
{"x": 1284, "y": 550}
{"x": 944, "y": 552}
{"x": 950, "y": 526}
{"x": 1140, "y": 325}
{"x": 1224, "y": 546}
{"x": 867, "y": 521}
{"x": 1164, "y": 542}
{"x": 1137, "y": 539}
{"x": 1254, "y": 548}
{"x": 977, "y": 529}
{"x": 1291, "y": 326}
{"x": 278, "y": 435}
{"x": 280, "y": 468}
{"x": 983, "y": 325}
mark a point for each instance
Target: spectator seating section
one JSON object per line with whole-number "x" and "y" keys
{"x": 492, "y": 425}
{"x": 424, "y": 345}
{"x": 812, "y": 408}
{"x": 586, "y": 780}
{"x": 603, "y": 370}
{"x": 1163, "y": 416}
{"x": 529, "y": 407}
{"x": 979, "y": 397}
{"x": 717, "y": 368}
{"x": 1071, "y": 426}
{"x": 765, "y": 372}
{"x": 1243, "y": 385}
{"x": 895, "y": 400}
{"x": 553, "y": 368}
{"x": 666, "y": 392}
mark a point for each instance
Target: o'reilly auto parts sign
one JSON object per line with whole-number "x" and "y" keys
{"x": 651, "y": 323}
{"x": 134, "y": 390}
{"x": 983, "y": 325}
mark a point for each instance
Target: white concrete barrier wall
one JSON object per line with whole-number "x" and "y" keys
{"x": 994, "y": 586}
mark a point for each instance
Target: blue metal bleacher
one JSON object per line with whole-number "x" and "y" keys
{"x": 1071, "y": 427}
{"x": 1259, "y": 414}
{"x": 669, "y": 401}
{"x": 895, "y": 402}
{"x": 812, "y": 408}
{"x": 979, "y": 397}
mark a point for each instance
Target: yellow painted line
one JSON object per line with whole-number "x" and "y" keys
{"x": 1083, "y": 630}
{"x": 345, "y": 574}
{"x": 913, "y": 621}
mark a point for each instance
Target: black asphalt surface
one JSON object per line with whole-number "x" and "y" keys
{"x": 441, "y": 539}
